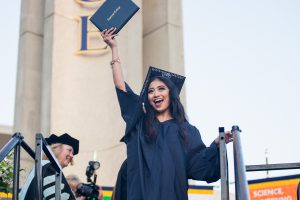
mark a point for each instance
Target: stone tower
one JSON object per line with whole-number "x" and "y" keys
{"x": 64, "y": 81}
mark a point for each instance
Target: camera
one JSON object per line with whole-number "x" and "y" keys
{"x": 89, "y": 190}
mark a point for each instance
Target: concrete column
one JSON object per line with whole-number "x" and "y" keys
{"x": 28, "y": 91}
{"x": 162, "y": 36}
{"x": 5, "y": 135}
{"x": 62, "y": 91}
{"x": 78, "y": 95}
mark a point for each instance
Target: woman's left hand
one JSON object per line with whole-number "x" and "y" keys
{"x": 108, "y": 36}
{"x": 228, "y": 138}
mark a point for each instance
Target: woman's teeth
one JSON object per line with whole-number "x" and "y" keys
{"x": 158, "y": 101}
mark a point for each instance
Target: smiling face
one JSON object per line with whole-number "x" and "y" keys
{"x": 158, "y": 96}
{"x": 64, "y": 154}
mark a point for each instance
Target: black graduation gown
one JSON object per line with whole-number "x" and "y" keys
{"x": 120, "y": 190}
{"x": 160, "y": 169}
{"x": 48, "y": 174}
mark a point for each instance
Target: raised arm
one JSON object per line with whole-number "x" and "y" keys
{"x": 110, "y": 39}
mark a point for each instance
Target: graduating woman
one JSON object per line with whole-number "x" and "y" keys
{"x": 163, "y": 149}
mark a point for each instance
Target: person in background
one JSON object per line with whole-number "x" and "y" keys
{"x": 64, "y": 148}
{"x": 73, "y": 182}
{"x": 163, "y": 149}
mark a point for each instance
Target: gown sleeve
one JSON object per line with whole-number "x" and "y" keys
{"x": 130, "y": 108}
{"x": 203, "y": 163}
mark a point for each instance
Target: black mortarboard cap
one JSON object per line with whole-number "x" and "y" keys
{"x": 176, "y": 79}
{"x": 64, "y": 139}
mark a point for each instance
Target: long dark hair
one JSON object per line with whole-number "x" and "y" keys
{"x": 176, "y": 109}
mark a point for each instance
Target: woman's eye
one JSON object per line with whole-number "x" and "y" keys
{"x": 161, "y": 89}
{"x": 150, "y": 91}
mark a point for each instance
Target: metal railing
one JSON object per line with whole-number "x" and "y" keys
{"x": 223, "y": 165}
{"x": 16, "y": 142}
{"x": 279, "y": 166}
{"x": 41, "y": 145}
{"x": 241, "y": 183}
{"x": 269, "y": 167}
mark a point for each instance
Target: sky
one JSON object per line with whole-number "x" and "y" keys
{"x": 242, "y": 63}
{"x": 9, "y": 39}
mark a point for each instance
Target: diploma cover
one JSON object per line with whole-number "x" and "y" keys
{"x": 114, "y": 13}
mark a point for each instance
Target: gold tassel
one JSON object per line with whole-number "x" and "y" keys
{"x": 144, "y": 108}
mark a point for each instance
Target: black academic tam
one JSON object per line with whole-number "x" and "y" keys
{"x": 64, "y": 139}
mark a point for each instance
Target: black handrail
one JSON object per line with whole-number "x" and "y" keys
{"x": 14, "y": 143}
{"x": 17, "y": 139}
{"x": 16, "y": 171}
{"x": 41, "y": 146}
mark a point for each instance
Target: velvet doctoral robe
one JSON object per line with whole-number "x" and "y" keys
{"x": 48, "y": 173}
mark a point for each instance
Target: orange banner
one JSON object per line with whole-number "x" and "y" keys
{"x": 274, "y": 190}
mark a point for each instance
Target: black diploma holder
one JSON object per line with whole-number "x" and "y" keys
{"x": 114, "y": 13}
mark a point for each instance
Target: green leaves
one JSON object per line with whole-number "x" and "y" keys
{"x": 6, "y": 173}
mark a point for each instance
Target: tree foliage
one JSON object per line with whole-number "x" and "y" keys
{"x": 6, "y": 173}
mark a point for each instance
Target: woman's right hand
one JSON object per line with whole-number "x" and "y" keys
{"x": 109, "y": 37}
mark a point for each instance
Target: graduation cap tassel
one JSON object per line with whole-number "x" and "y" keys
{"x": 144, "y": 108}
